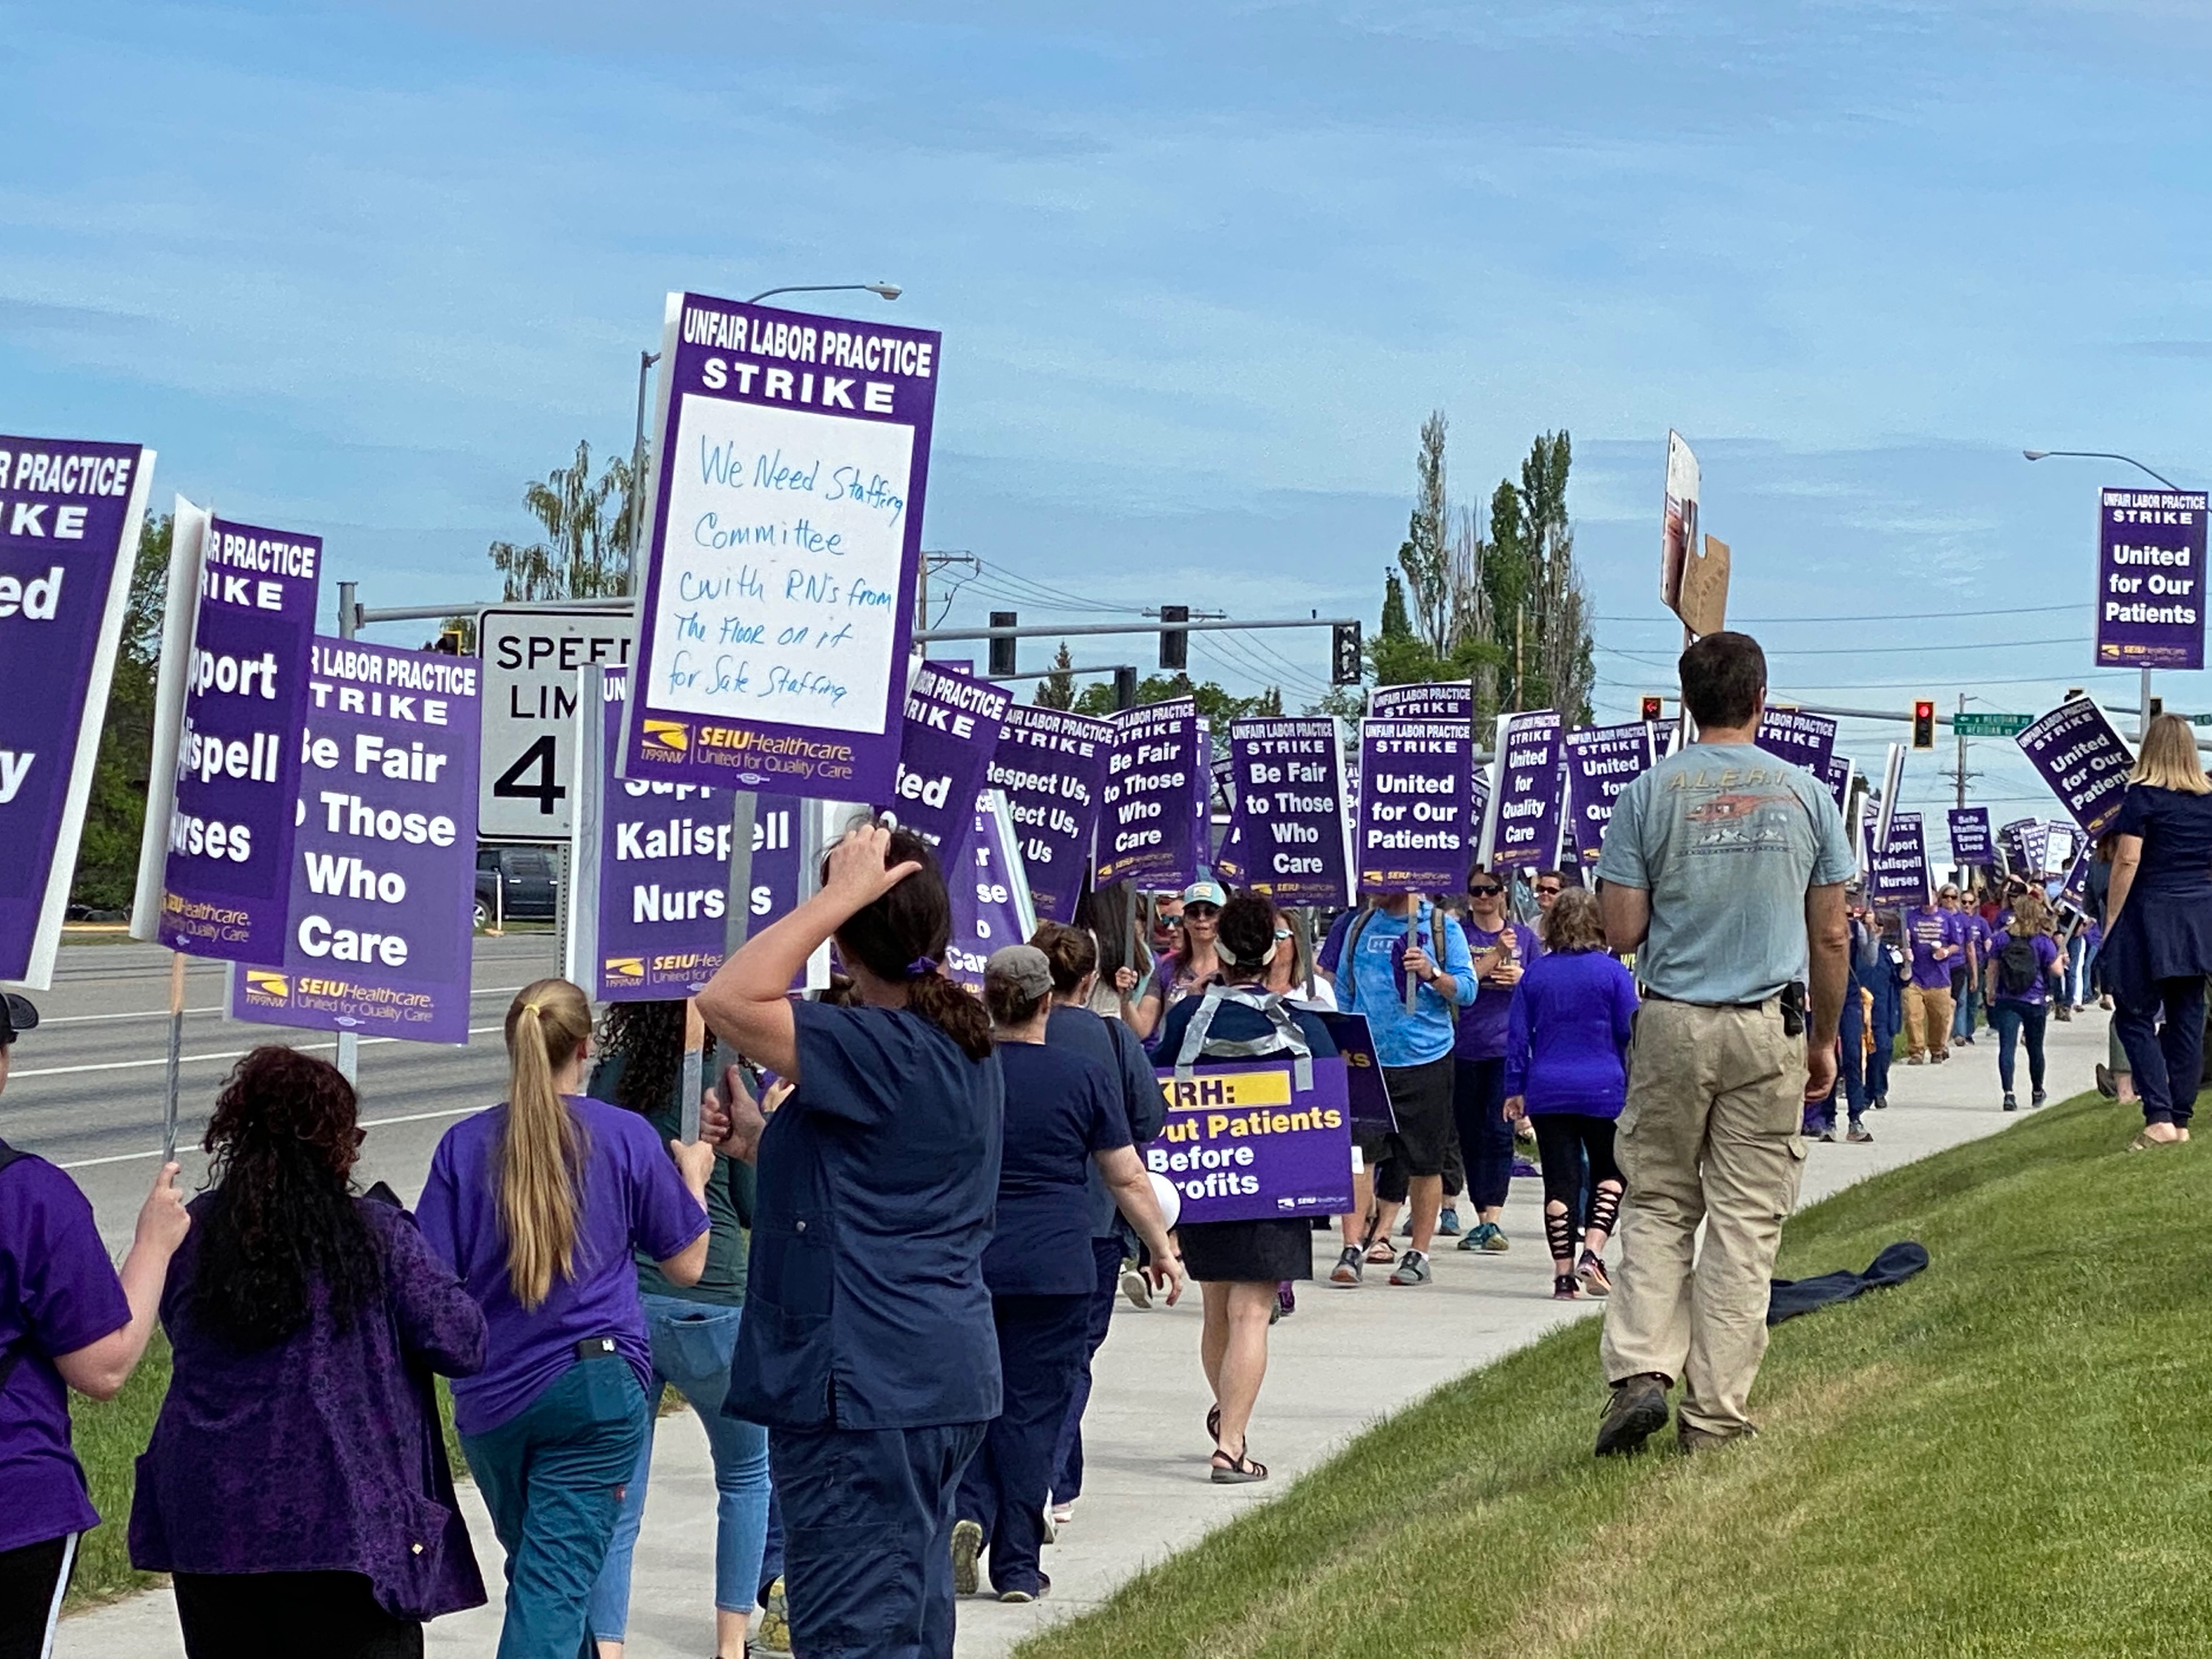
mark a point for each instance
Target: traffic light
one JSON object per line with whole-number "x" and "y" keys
{"x": 1924, "y": 723}
{"x": 1655, "y": 709}
{"x": 1175, "y": 644}
{"x": 1003, "y": 648}
{"x": 1125, "y": 687}
{"x": 1344, "y": 664}
{"x": 2157, "y": 707}
{"x": 449, "y": 641}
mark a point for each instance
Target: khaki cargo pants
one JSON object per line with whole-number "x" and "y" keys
{"x": 1710, "y": 1133}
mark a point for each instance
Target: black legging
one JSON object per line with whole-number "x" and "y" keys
{"x": 1563, "y": 1139}
{"x": 1485, "y": 1139}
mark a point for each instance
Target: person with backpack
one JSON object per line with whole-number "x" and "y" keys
{"x": 1238, "y": 1265}
{"x": 1072, "y": 955}
{"x": 2018, "y": 985}
{"x": 66, "y": 1321}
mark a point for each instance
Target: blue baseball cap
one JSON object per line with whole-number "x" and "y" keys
{"x": 1205, "y": 892}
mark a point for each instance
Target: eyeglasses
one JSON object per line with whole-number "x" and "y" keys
{"x": 1200, "y": 912}
{"x": 1491, "y": 891}
{"x": 1171, "y": 921}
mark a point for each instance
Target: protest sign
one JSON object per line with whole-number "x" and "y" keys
{"x": 1290, "y": 833}
{"x": 1526, "y": 825}
{"x": 219, "y": 835}
{"x": 1413, "y": 834}
{"x": 2150, "y": 579}
{"x": 1892, "y": 785}
{"x": 952, "y": 726}
{"x": 1050, "y": 763}
{"x": 989, "y": 890}
{"x": 1243, "y": 1143}
{"x": 1368, "y": 1095}
{"x": 2076, "y": 750}
{"x": 1897, "y": 872}
{"x": 1678, "y": 521}
{"x": 1155, "y": 793}
{"x": 66, "y": 552}
{"x": 2026, "y": 841}
{"x": 1801, "y": 738}
{"x": 784, "y": 510}
{"x": 2060, "y": 841}
{"x": 1970, "y": 836}
{"x": 1443, "y": 700}
{"x": 383, "y": 886}
{"x": 648, "y": 897}
{"x": 1836, "y": 775}
{"x": 1601, "y": 762}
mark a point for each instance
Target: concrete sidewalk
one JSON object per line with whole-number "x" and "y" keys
{"x": 1147, "y": 1492}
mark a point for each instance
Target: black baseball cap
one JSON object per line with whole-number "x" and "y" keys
{"x": 16, "y": 1016}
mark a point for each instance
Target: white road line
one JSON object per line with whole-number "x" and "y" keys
{"x": 190, "y": 1059}
{"x": 366, "y": 1123}
{"x": 163, "y": 1014}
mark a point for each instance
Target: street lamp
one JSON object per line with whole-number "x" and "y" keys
{"x": 2142, "y": 697}
{"x": 646, "y": 359}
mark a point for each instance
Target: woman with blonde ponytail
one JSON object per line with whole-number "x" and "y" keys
{"x": 539, "y": 1205}
{"x": 868, "y": 1348}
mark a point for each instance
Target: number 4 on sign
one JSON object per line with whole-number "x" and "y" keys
{"x": 538, "y": 758}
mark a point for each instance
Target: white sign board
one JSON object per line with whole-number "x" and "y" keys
{"x": 528, "y": 762}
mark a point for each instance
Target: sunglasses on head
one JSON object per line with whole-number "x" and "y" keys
{"x": 1489, "y": 889}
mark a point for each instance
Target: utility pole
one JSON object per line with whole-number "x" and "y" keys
{"x": 1962, "y": 755}
{"x": 934, "y": 562}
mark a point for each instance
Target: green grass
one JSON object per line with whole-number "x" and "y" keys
{"x": 2001, "y": 1457}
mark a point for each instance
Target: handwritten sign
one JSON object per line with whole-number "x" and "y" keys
{"x": 785, "y": 532}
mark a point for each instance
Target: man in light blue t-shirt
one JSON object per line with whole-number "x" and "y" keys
{"x": 1723, "y": 870}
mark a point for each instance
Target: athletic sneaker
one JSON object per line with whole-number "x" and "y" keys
{"x": 2037, "y": 1098}
{"x": 1286, "y": 1300}
{"x": 1858, "y": 1136}
{"x": 1489, "y": 1238}
{"x": 2010, "y": 1104}
{"x": 1827, "y": 1135}
{"x": 1020, "y": 1597}
{"x": 1351, "y": 1266}
{"x": 1136, "y": 1286}
{"x": 1879, "y": 1103}
{"x": 1636, "y": 1411}
{"x": 1413, "y": 1268}
{"x": 1590, "y": 1274}
{"x": 1448, "y": 1224}
{"x": 1565, "y": 1287}
{"x": 773, "y": 1636}
{"x": 967, "y": 1544}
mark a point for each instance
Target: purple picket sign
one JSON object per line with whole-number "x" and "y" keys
{"x": 1970, "y": 836}
{"x": 1155, "y": 797}
{"x": 1051, "y": 765}
{"x": 1527, "y": 823}
{"x": 379, "y": 940}
{"x": 2076, "y": 750}
{"x": 1228, "y": 856}
{"x": 951, "y": 727}
{"x": 1445, "y": 699}
{"x": 1290, "y": 828}
{"x": 792, "y": 456}
{"x": 1413, "y": 836}
{"x": 1836, "y": 775}
{"x": 1601, "y": 762}
{"x": 2150, "y": 579}
{"x": 1802, "y": 739}
{"x": 1243, "y": 1143}
{"x": 990, "y": 894}
{"x": 1368, "y": 1095}
{"x": 2023, "y": 842}
{"x": 663, "y": 877}
{"x": 66, "y": 550}
{"x": 1899, "y": 874}
{"x": 229, "y": 873}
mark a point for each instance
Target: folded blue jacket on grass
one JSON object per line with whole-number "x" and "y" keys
{"x": 1790, "y": 1296}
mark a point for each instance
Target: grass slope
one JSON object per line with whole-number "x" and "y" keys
{"x": 1998, "y": 1458}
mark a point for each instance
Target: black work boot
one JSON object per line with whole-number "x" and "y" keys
{"x": 1637, "y": 1411}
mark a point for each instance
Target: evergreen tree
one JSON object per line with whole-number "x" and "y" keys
{"x": 115, "y": 812}
{"x": 1057, "y": 688}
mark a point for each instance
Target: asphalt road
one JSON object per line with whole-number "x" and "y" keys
{"x": 86, "y": 1087}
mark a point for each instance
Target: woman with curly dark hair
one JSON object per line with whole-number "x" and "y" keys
{"x": 296, "y": 1485}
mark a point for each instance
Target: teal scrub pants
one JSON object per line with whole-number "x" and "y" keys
{"x": 552, "y": 1476}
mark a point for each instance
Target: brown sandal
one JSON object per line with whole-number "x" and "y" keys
{"x": 1239, "y": 1471}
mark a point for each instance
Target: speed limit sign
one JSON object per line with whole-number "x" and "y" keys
{"x": 530, "y": 662}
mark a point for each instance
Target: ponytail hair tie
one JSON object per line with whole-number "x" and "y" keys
{"x": 921, "y": 968}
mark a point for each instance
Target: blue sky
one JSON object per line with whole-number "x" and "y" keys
{"x": 1200, "y": 272}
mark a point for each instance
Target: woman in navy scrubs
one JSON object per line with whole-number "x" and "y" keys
{"x": 1063, "y": 1110}
{"x": 868, "y": 1349}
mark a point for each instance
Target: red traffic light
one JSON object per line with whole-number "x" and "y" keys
{"x": 1924, "y": 723}
{"x": 1653, "y": 707}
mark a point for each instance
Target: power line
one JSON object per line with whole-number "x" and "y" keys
{"x": 1881, "y": 650}
{"x": 1900, "y": 616}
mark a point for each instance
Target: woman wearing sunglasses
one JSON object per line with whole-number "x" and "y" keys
{"x": 1194, "y": 964}
{"x": 1502, "y": 949}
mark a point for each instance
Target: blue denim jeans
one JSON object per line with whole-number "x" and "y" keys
{"x": 692, "y": 1344}
{"x": 552, "y": 1477}
{"x": 2014, "y": 1020}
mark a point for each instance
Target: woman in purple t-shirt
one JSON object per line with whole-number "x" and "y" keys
{"x": 1502, "y": 949}
{"x": 539, "y": 1205}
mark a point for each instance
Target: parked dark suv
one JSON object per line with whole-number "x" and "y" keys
{"x": 527, "y": 876}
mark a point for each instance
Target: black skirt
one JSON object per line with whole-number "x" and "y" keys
{"x": 1246, "y": 1252}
